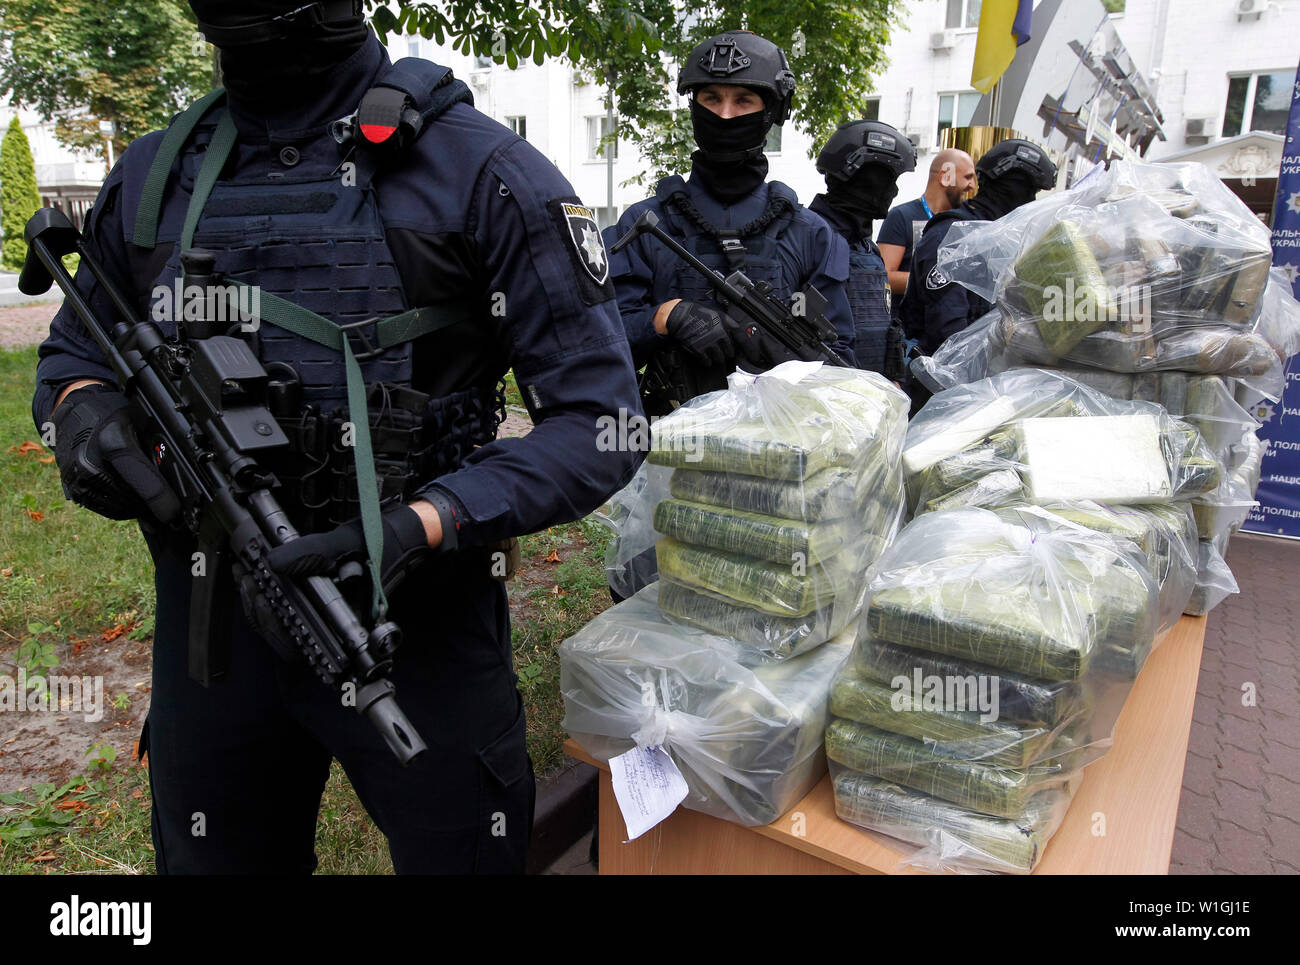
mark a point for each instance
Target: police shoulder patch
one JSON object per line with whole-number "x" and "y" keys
{"x": 936, "y": 279}
{"x": 577, "y": 225}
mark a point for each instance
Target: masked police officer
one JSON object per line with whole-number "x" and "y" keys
{"x": 862, "y": 162}
{"x": 729, "y": 216}
{"x": 1010, "y": 174}
{"x": 357, "y": 190}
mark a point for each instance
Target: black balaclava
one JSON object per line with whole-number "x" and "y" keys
{"x": 283, "y": 70}
{"x": 730, "y": 162}
{"x": 864, "y": 197}
{"x": 1000, "y": 196}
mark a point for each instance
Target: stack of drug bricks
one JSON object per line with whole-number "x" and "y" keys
{"x": 1149, "y": 283}
{"x": 1053, "y": 538}
{"x": 774, "y": 513}
{"x": 768, "y": 501}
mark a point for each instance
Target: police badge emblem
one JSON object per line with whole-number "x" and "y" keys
{"x": 587, "y": 243}
{"x": 936, "y": 279}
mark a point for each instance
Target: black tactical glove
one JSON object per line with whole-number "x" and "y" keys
{"x": 757, "y": 350}
{"x": 100, "y": 459}
{"x": 704, "y": 332}
{"x": 320, "y": 554}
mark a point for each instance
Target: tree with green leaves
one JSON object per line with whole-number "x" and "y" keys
{"x": 19, "y": 198}
{"x": 132, "y": 62}
{"x": 836, "y": 49}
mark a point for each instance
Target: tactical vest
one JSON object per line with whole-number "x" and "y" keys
{"x": 335, "y": 330}
{"x": 869, "y": 299}
{"x": 674, "y": 376}
{"x": 754, "y": 251}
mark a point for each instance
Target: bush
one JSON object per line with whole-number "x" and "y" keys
{"x": 19, "y": 198}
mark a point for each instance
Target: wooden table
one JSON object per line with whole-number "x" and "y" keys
{"x": 1121, "y": 820}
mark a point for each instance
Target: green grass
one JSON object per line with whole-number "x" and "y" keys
{"x": 91, "y": 824}
{"x": 73, "y": 572}
{"x": 554, "y": 601}
{"x": 59, "y": 564}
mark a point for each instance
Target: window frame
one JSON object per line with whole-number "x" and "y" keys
{"x": 1248, "y": 103}
{"x": 510, "y": 120}
{"x": 595, "y": 149}
{"x": 956, "y": 95}
{"x": 965, "y": 15}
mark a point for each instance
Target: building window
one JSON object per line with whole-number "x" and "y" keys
{"x": 413, "y": 48}
{"x": 1258, "y": 102}
{"x": 597, "y": 128}
{"x": 963, "y": 13}
{"x": 519, "y": 125}
{"x": 956, "y": 110}
{"x": 772, "y": 145}
{"x": 482, "y": 62}
{"x": 871, "y": 109}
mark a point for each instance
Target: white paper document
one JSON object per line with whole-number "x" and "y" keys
{"x": 648, "y": 787}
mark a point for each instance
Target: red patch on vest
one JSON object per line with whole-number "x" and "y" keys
{"x": 378, "y": 133}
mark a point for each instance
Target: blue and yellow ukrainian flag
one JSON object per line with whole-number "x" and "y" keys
{"x": 1004, "y": 26}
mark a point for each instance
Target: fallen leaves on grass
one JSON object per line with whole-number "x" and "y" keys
{"x": 553, "y": 557}
{"x": 116, "y": 630}
{"x": 26, "y": 447}
{"x": 35, "y": 515}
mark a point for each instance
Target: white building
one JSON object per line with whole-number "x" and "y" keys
{"x": 1218, "y": 68}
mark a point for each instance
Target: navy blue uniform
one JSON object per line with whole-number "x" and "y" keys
{"x": 934, "y": 307}
{"x": 795, "y": 248}
{"x": 469, "y": 212}
{"x": 868, "y": 289}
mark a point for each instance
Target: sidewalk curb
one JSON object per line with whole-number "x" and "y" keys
{"x": 565, "y": 811}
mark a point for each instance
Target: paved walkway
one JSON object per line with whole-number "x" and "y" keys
{"x": 1240, "y": 809}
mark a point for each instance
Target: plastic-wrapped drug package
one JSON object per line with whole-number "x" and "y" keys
{"x": 1117, "y": 275}
{"x": 995, "y": 654}
{"x": 762, "y": 506}
{"x": 747, "y": 736}
{"x": 1031, "y": 435}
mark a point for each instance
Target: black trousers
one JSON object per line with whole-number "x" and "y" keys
{"x": 237, "y": 769}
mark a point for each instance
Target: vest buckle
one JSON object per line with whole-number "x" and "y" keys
{"x": 363, "y": 349}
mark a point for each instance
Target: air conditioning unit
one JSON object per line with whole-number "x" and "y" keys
{"x": 1198, "y": 130}
{"x": 478, "y": 79}
{"x": 919, "y": 139}
{"x": 943, "y": 40}
{"x": 1250, "y": 9}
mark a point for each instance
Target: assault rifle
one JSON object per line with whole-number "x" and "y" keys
{"x": 202, "y": 397}
{"x": 803, "y": 335}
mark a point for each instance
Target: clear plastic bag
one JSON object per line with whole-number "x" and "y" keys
{"x": 764, "y": 504}
{"x": 950, "y": 837}
{"x": 1037, "y": 436}
{"x": 994, "y": 657}
{"x": 1214, "y": 580}
{"x": 1166, "y": 534}
{"x": 746, "y": 736}
{"x": 1142, "y": 268}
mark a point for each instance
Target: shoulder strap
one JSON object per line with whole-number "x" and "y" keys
{"x": 147, "y": 212}
{"x": 431, "y": 87}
